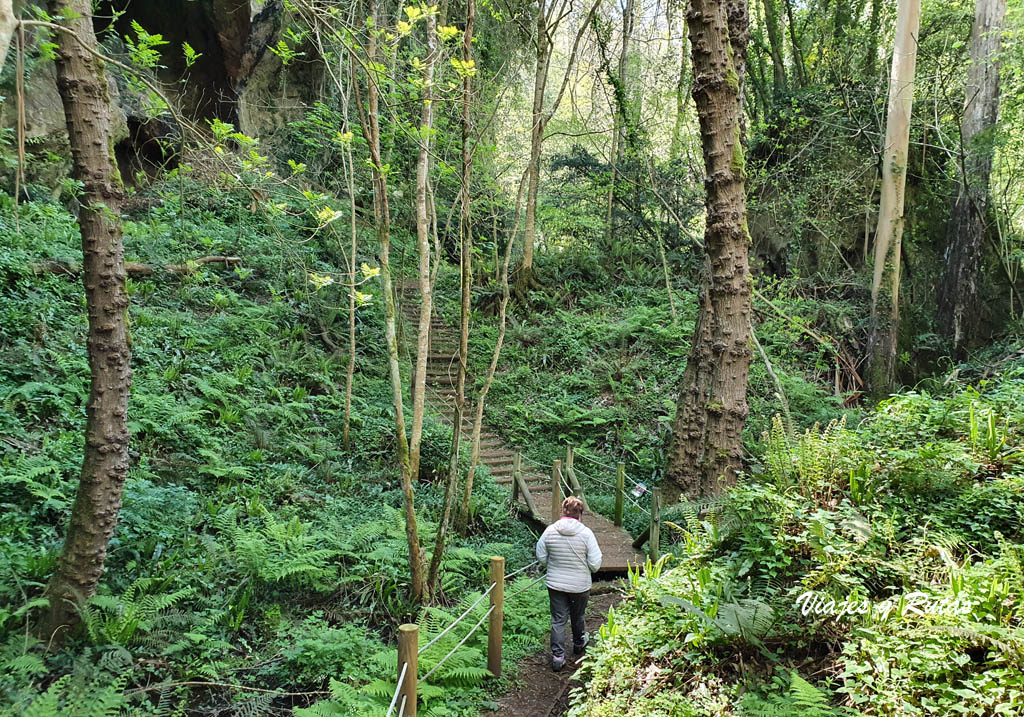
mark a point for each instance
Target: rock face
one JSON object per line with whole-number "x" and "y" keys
{"x": 235, "y": 78}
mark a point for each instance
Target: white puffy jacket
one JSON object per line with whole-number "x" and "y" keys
{"x": 570, "y": 551}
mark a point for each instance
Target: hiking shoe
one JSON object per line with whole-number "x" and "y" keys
{"x": 580, "y": 649}
{"x": 557, "y": 663}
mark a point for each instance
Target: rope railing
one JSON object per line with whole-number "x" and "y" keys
{"x": 527, "y": 587}
{"x": 409, "y": 650}
{"x": 461, "y": 642}
{"x": 522, "y": 569}
{"x": 398, "y": 688}
{"x": 459, "y": 619}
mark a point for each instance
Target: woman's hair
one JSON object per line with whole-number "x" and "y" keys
{"x": 572, "y": 506}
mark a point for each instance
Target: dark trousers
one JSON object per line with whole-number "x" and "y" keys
{"x": 566, "y": 607}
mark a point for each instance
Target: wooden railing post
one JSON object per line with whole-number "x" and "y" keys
{"x": 517, "y": 467}
{"x": 620, "y": 484}
{"x": 574, "y": 482}
{"x": 655, "y": 537}
{"x": 408, "y": 651}
{"x": 556, "y": 490}
{"x": 497, "y": 615}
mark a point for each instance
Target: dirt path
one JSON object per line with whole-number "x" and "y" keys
{"x": 541, "y": 691}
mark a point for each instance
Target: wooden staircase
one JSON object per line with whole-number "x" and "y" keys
{"x": 441, "y": 377}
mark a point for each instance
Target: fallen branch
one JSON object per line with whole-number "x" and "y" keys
{"x": 133, "y": 268}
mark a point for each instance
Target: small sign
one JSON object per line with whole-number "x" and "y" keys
{"x": 639, "y": 490}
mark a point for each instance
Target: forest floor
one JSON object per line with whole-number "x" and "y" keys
{"x": 542, "y": 692}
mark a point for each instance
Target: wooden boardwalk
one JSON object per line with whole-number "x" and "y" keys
{"x": 441, "y": 376}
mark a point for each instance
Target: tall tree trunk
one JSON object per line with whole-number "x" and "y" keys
{"x": 7, "y": 25}
{"x": 540, "y": 80}
{"x": 884, "y": 324}
{"x": 676, "y": 150}
{"x": 466, "y": 270}
{"x": 799, "y": 70}
{"x": 423, "y": 213}
{"x": 706, "y": 445}
{"x": 621, "y": 110}
{"x": 550, "y": 15}
{"x": 87, "y": 110}
{"x": 370, "y": 123}
{"x": 958, "y": 293}
{"x": 871, "y": 50}
{"x": 774, "y": 31}
{"x": 478, "y": 415}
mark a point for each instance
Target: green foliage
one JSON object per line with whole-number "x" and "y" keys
{"x": 906, "y": 513}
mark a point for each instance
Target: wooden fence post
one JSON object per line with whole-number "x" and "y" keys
{"x": 655, "y": 537}
{"x": 408, "y": 652}
{"x": 556, "y": 490}
{"x": 517, "y": 467}
{"x": 574, "y": 482}
{"x": 497, "y": 615}
{"x": 620, "y": 484}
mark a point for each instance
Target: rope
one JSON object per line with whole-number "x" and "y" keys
{"x": 532, "y": 583}
{"x": 457, "y": 621}
{"x": 461, "y": 643}
{"x": 526, "y": 567}
{"x": 401, "y": 710}
{"x": 595, "y": 461}
{"x": 398, "y": 687}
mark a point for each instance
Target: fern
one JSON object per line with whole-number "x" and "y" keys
{"x": 800, "y": 699}
{"x": 128, "y": 619}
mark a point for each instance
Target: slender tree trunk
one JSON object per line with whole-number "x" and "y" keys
{"x": 682, "y": 89}
{"x": 370, "y": 123}
{"x": 478, "y": 418}
{"x": 958, "y": 294}
{"x": 540, "y": 80}
{"x": 874, "y": 27}
{"x": 423, "y": 245}
{"x": 706, "y": 445}
{"x": 87, "y": 110}
{"x": 466, "y": 270}
{"x": 774, "y": 31}
{"x": 350, "y": 373}
{"x": 884, "y": 324}
{"x": 799, "y": 70}
{"x": 620, "y": 121}
{"x": 549, "y": 16}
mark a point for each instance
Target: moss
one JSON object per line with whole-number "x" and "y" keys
{"x": 732, "y": 79}
{"x": 738, "y": 163}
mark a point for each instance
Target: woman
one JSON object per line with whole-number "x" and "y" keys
{"x": 570, "y": 552}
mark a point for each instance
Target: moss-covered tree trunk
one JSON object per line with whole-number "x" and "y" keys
{"x": 706, "y": 446}
{"x": 89, "y": 116}
{"x": 538, "y": 122}
{"x": 369, "y": 116}
{"x": 958, "y": 293}
{"x": 885, "y": 283}
{"x": 466, "y": 272}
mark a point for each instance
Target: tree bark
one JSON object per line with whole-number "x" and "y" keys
{"x": 540, "y": 80}
{"x": 7, "y": 24}
{"x": 370, "y": 123}
{"x": 771, "y": 21}
{"x": 706, "y": 446}
{"x": 884, "y": 325}
{"x": 549, "y": 16}
{"x": 466, "y": 270}
{"x": 619, "y": 130}
{"x": 87, "y": 111}
{"x": 419, "y": 388}
{"x": 958, "y": 294}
